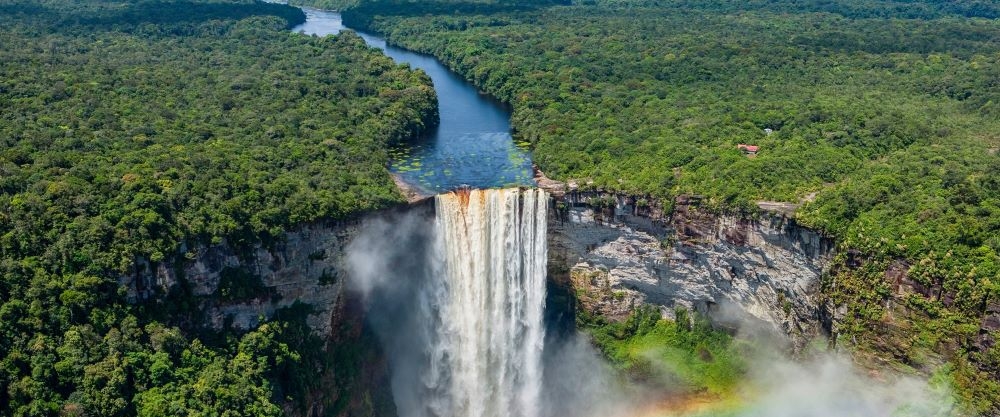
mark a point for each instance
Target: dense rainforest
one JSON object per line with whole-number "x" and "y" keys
{"x": 878, "y": 120}
{"x": 131, "y": 129}
{"x": 128, "y": 128}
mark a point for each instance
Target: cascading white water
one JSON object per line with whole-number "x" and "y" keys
{"x": 486, "y": 353}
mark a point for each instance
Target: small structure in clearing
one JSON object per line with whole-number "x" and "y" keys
{"x": 749, "y": 150}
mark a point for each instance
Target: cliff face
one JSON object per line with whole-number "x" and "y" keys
{"x": 739, "y": 271}
{"x": 306, "y": 266}
{"x": 234, "y": 288}
{"x": 611, "y": 253}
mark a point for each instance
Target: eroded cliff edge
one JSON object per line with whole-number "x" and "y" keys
{"x": 226, "y": 288}
{"x": 237, "y": 287}
{"x": 617, "y": 252}
{"x": 610, "y": 253}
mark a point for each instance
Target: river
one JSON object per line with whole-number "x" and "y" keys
{"x": 471, "y": 146}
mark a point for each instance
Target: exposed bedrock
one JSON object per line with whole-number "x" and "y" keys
{"x": 232, "y": 287}
{"x": 607, "y": 254}
{"x": 619, "y": 252}
{"x": 237, "y": 287}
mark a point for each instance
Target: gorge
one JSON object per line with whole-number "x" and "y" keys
{"x": 448, "y": 345}
{"x": 247, "y": 208}
{"x": 454, "y": 286}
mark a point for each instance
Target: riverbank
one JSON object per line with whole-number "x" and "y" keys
{"x": 470, "y": 146}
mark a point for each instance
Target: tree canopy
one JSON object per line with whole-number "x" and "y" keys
{"x": 130, "y": 128}
{"x": 880, "y": 118}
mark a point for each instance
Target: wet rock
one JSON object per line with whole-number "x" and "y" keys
{"x": 305, "y": 266}
{"x": 988, "y": 329}
{"x": 765, "y": 271}
{"x": 298, "y": 269}
{"x": 553, "y": 187}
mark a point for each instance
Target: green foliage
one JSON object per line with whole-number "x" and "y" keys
{"x": 329, "y": 276}
{"x": 649, "y": 100}
{"x": 326, "y": 4}
{"x": 883, "y": 112}
{"x": 238, "y": 284}
{"x": 147, "y": 145}
{"x": 198, "y": 380}
{"x": 898, "y": 9}
{"x": 435, "y": 7}
{"x": 686, "y": 352}
{"x": 129, "y": 128}
{"x": 940, "y": 212}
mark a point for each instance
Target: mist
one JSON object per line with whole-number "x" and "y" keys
{"x": 830, "y": 385}
{"x": 581, "y": 383}
{"x": 813, "y": 382}
{"x": 389, "y": 264}
{"x": 396, "y": 264}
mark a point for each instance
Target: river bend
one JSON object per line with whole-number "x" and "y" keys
{"x": 472, "y": 146}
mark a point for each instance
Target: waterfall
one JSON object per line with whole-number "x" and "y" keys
{"x": 456, "y": 296}
{"x": 485, "y": 358}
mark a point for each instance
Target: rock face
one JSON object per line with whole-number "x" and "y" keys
{"x": 236, "y": 287}
{"x": 735, "y": 269}
{"x": 306, "y": 266}
{"x": 990, "y": 325}
{"x": 611, "y": 253}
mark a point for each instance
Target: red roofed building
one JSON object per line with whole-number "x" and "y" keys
{"x": 748, "y": 149}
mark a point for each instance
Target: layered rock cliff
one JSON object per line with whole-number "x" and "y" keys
{"x": 618, "y": 252}
{"x": 613, "y": 252}
{"x": 234, "y": 288}
{"x": 238, "y": 287}
{"x": 608, "y": 254}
